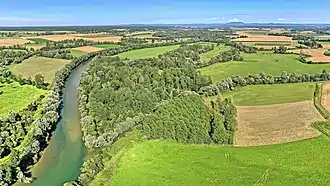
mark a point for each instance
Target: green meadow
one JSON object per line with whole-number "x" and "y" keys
{"x": 147, "y": 52}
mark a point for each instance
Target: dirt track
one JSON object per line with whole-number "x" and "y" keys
{"x": 326, "y": 96}
{"x": 273, "y": 124}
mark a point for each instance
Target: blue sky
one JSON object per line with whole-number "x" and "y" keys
{"x": 113, "y": 12}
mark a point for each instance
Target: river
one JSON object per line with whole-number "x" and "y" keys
{"x": 64, "y": 156}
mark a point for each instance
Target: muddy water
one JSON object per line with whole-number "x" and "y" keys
{"x": 63, "y": 157}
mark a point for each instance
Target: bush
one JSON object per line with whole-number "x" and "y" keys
{"x": 327, "y": 53}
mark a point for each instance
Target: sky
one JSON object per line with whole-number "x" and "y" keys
{"x": 115, "y": 12}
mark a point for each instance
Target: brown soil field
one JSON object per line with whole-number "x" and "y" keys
{"x": 327, "y": 46}
{"x": 317, "y": 54}
{"x": 90, "y": 37}
{"x": 9, "y": 42}
{"x": 258, "y": 38}
{"x": 274, "y": 124}
{"x": 88, "y": 49}
{"x": 326, "y": 96}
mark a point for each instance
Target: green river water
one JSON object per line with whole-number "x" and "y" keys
{"x": 64, "y": 156}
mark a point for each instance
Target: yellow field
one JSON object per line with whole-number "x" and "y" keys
{"x": 273, "y": 124}
{"x": 317, "y": 54}
{"x": 12, "y": 41}
{"x": 88, "y": 49}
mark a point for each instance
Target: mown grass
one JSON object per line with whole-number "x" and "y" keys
{"x": 147, "y": 52}
{"x": 271, "y": 94}
{"x": 210, "y": 54}
{"x": 167, "y": 163}
{"x": 39, "y": 40}
{"x": 266, "y": 62}
{"x": 39, "y": 65}
{"x": 107, "y": 45}
{"x": 15, "y": 97}
{"x": 77, "y": 53}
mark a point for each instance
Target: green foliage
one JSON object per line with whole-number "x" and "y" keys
{"x": 211, "y": 54}
{"x": 185, "y": 119}
{"x": 327, "y": 53}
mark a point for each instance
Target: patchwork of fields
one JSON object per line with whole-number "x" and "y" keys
{"x": 147, "y": 52}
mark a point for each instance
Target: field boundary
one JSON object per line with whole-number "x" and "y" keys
{"x": 318, "y": 101}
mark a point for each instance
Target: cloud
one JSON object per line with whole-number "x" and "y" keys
{"x": 25, "y": 19}
{"x": 280, "y": 19}
{"x": 214, "y": 18}
{"x": 233, "y": 20}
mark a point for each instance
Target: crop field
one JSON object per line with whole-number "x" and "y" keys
{"x": 271, "y": 94}
{"x": 210, "y": 54}
{"x": 77, "y": 53}
{"x": 266, "y": 62}
{"x": 106, "y": 45}
{"x": 87, "y": 49}
{"x": 34, "y": 45}
{"x": 147, "y": 52}
{"x": 169, "y": 163}
{"x": 15, "y": 97}
{"x": 12, "y": 41}
{"x": 261, "y": 37}
{"x": 39, "y": 65}
{"x": 317, "y": 54}
{"x": 90, "y": 37}
{"x": 326, "y": 96}
{"x": 273, "y": 124}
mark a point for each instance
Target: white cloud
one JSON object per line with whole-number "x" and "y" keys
{"x": 214, "y": 18}
{"x": 233, "y": 20}
{"x": 223, "y": 18}
{"x": 280, "y": 19}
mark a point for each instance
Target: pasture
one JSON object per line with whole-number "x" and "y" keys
{"x": 271, "y": 94}
{"x": 77, "y": 53}
{"x": 266, "y": 62}
{"x": 278, "y": 123}
{"x": 107, "y": 46}
{"x": 210, "y": 54}
{"x": 39, "y": 65}
{"x": 147, "y": 52}
{"x": 168, "y": 163}
{"x": 15, "y": 97}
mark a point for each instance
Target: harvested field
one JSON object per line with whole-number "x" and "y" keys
{"x": 91, "y": 37}
{"x": 327, "y": 46}
{"x": 317, "y": 54}
{"x": 326, "y": 96}
{"x": 88, "y": 49}
{"x": 258, "y": 38}
{"x": 273, "y": 124}
{"x": 10, "y": 41}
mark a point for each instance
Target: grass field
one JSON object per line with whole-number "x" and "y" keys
{"x": 107, "y": 45}
{"x": 77, "y": 53}
{"x": 266, "y": 62}
{"x": 210, "y": 54}
{"x": 40, "y": 40}
{"x": 271, "y": 94}
{"x": 39, "y": 65}
{"x": 167, "y": 163}
{"x": 147, "y": 52}
{"x": 15, "y": 97}
{"x": 274, "y": 124}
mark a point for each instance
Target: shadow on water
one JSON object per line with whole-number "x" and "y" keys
{"x": 62, "y": 159}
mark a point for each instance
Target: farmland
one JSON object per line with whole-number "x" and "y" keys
{"x": 147, "y": 52}
{"x": 317, "y": 55}
{"x": 271, "y": 94}
{"x": 169, "y": 163}
{"x": 208, "y": 55}
{"x": 266, "y": 62}
{"x": 39, "y": 65}
{"x": 273, "y": 124}
{"x": 12, "y": 41}
{"x": 90, "y": 37}
{"x": 106, "y": 45}
{"x": 87, "y": 49}
{"x": 15, "y": 97}
{"x": 77, "y": 52}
